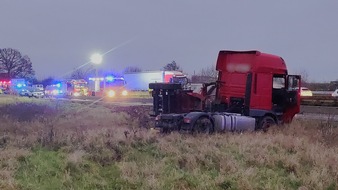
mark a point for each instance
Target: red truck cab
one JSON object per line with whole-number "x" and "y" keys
{"x": 257, "y": 84}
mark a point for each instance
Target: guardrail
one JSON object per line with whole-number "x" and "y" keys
{"x": 320, "y": 100}
{"x": 322, "y": 93}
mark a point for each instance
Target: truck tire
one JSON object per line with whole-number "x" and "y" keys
{"x": 266, "y": 122}
{"x": 203, "y": 125}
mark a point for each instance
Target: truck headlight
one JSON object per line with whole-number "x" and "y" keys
{"x": 55, "y": 92}
{"x": 111, "y": 93}
{"x": 124, "y": 93}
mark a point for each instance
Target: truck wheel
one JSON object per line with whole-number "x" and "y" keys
{"x": 203, "y": 125}
{"x": 265, "y": 123}
{"x": 164, "y": 130}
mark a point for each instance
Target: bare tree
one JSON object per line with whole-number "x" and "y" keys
{"x": 47, "y": 81}
{"x": 83, "y": 73}
{"x": 14, "y": 64}
{"x": 208, "y": 74}
{"x": 132, "y": 69}
{"x": 173, "y": 66}
{"x": 305, "y": 78}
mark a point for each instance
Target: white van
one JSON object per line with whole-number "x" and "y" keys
{"x": 38, "y": 86}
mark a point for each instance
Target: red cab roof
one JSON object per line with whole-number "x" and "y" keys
{"x": 250, "y": 61}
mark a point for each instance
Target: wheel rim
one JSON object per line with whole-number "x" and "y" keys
{"x": 267, "y": 123}
{"x": 203, "y": 125}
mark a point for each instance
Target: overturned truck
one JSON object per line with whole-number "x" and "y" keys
{"x": 253, "y": 91}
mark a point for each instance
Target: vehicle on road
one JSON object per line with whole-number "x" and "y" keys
{"x": 253, "y": 91}
{"x": 305, "y": 92}
{"x": 17, "y": 85}
{"x": 4, "y": 86}
{"x": 38, "y": 86}
{"x": 140, "y": 81}
{"x": 73, "y": 87}
{"x": 77, "y": 87}
{"x": 335, "y": 93}
{"x": 25, "y": 92}
{"x": 32, "y": 92}
{"x": 115, "y": 87}
{"x": 109, "y": 86}
{"x": 56, "y": 90}
{"x": 37, "y": 93}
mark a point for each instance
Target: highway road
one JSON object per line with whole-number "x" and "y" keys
{"x": 323, "y": 113}
{"x": 328, "y": 110}
{"x": 305, "y": 109}
{"x": 112, "y": 101}
{"x": 307, "y": 112}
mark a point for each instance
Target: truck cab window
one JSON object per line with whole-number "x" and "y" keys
{"x": 278, "y": 82}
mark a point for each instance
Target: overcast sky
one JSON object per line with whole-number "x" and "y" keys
{"x": 60, "y": 35}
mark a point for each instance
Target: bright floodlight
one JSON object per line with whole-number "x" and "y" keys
{"x": 96, "y": 58}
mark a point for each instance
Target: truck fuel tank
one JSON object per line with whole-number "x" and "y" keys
{"x": 233, "y": 122}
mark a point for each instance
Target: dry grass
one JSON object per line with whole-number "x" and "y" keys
{"x": 105, "y": 147}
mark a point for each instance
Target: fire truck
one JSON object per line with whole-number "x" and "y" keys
{"x": 74, "y": 87}
{"x": 115, "y": 86}
{"x": 5, "y": 86}
{"x": 77, "y": 87}
{"x": 109, "y": 86}
{"x": 253, "y": 92}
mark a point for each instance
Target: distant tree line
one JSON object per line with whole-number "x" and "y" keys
{"x": 132, "y": 69}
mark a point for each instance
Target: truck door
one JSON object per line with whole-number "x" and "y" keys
{"x": 293, "y": 99}
{"x": 261, "y": 93}
{"x": 279, "y": 93}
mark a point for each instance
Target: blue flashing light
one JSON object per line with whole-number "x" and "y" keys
{"x": 110, "y": 78}
{"x": 19, "y": 85}
{"x": 58, "y": 85}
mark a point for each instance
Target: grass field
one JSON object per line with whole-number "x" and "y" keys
{"x": 48, "y": 144}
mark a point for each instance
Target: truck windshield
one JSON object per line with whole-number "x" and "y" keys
{"x": 180, "y": 80}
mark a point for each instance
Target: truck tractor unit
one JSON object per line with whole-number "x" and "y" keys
{"x": 115, "y": 87}
{"x": 77, "y": 87}
{"x": 253, "y": 91}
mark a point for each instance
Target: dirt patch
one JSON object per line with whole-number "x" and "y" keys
{"x": 27, "y": 111}
{"x": 139, "y": 113}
